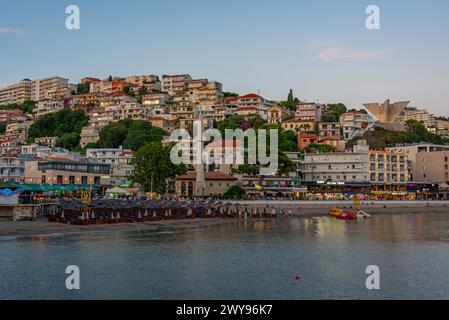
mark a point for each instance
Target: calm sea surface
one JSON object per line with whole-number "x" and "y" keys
{"x": 287, "y": 258}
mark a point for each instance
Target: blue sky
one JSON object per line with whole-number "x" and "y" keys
{"x": 320, "y": 49}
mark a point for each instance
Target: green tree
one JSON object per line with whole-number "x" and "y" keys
{"x": 2, "y": 127}
{"x": 230, "y": 94}
{"x": 335, "y": 110}
{"x": 231, "y": 122}
{"x": 83, "y": 88}
{"x": 234, "y": 192}
{"x": 321, "y": 148}
{"x": 58, "y": 124}
{"x": 132, "y": 134}
{"x": 68, "y": 141}
{"x": 152, "y": 167}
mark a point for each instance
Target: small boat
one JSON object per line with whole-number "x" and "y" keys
{"x": 347, "y": 215}
{"x": 363, "y": 215}
{"x": 335, "y": 212}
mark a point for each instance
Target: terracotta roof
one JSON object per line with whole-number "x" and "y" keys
{"x": 207, "y": 175}
{"x": 251, "y": 95}
{"x": 330, "y": 138}
{"x": 297, "y": 120}
{"x": 307, "y": 135}
{"x": 246, "y": 109}
{"x": 224, "y": 144}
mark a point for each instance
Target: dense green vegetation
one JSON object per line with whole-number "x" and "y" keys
{"x": 291, "y": 101}
{"x": 2, "y": 127}
{"x": 415, "y": 132}
{"x": 230, "y": 94}
{"x": 234, "y": 192}
{"x": 321, "y": 148}
{"x": 26, "y": 107}
{"x": 153, "y": 166}
{"x": 64, "y": 124}
{"x": 334, "y": 112}
{"x": 131, "y": 134}
{"x": 83, "y": 88}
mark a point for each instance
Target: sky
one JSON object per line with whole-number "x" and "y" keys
{"x": 320, "y": 49}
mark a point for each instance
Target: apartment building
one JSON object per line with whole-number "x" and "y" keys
{"x": 202, "y": 92}
{"x": 87, "y": 101}
{"x": 18, "y": 130}
{"x": 388, "y": 167}
{"x": 116, "y": 98}
{"x": 16, "y": 93}
{"x": 326, "y": 129}
{"x": 420, "y": 115}
{"x": 443, "y": 128}
{"x": 47, "y": 106}
{"x": 173, "y": 84}
{"x": 309, "y": 111}
{"x": 120, "y": 161}
{"x": 156, "y": 99}
{"x": 13, "y": 115}
{"x": 46, "y": 141}
{"x": 50, "y": 88}
{"x": 149, "y": 83}
{"x": 432, "y": 167}
{"x": 338, "y": 167}
{"x": 127, "y": 110}
{"x": 67, "y": 172}
{"x": 374, "y": 167}
{"x": 251, "y": 100}
{"x": 412, "y": 151}
{"x": 299, "y": 125}
{"x": 12, "y": 169}
{"x": 354, "y": 123}
{"x": 248, "y": 112}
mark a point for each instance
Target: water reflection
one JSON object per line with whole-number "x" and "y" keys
{"x": 238, "y": 260}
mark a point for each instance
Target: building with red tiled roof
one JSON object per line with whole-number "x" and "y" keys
{"x": 251, "y": 100}
{"x": 306, "y": 139}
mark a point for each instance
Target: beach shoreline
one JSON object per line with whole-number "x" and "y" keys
{"x": 42, "y": 227}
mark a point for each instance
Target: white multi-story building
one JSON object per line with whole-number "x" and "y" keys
{"x": 309, "y": 111}
{"x": 155, "y": 99}
{"x": 120, "y": 161}
{"x": 16, "y": 93}
{"x": 47, "y": 88}
{"x": 359, "y": 166}
{"x": 354, "y": 123}
{"x": 173, "y": 84}
{"x": 12, "y": 169}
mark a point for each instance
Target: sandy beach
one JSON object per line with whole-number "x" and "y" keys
{"x": 42, "y": 227}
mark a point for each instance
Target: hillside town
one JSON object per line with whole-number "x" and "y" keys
{"x": 386, "y": 150}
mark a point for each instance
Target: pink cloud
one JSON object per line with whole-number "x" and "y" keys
{"x": 338, "y": 53}
{"x": 7, "y": 30}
